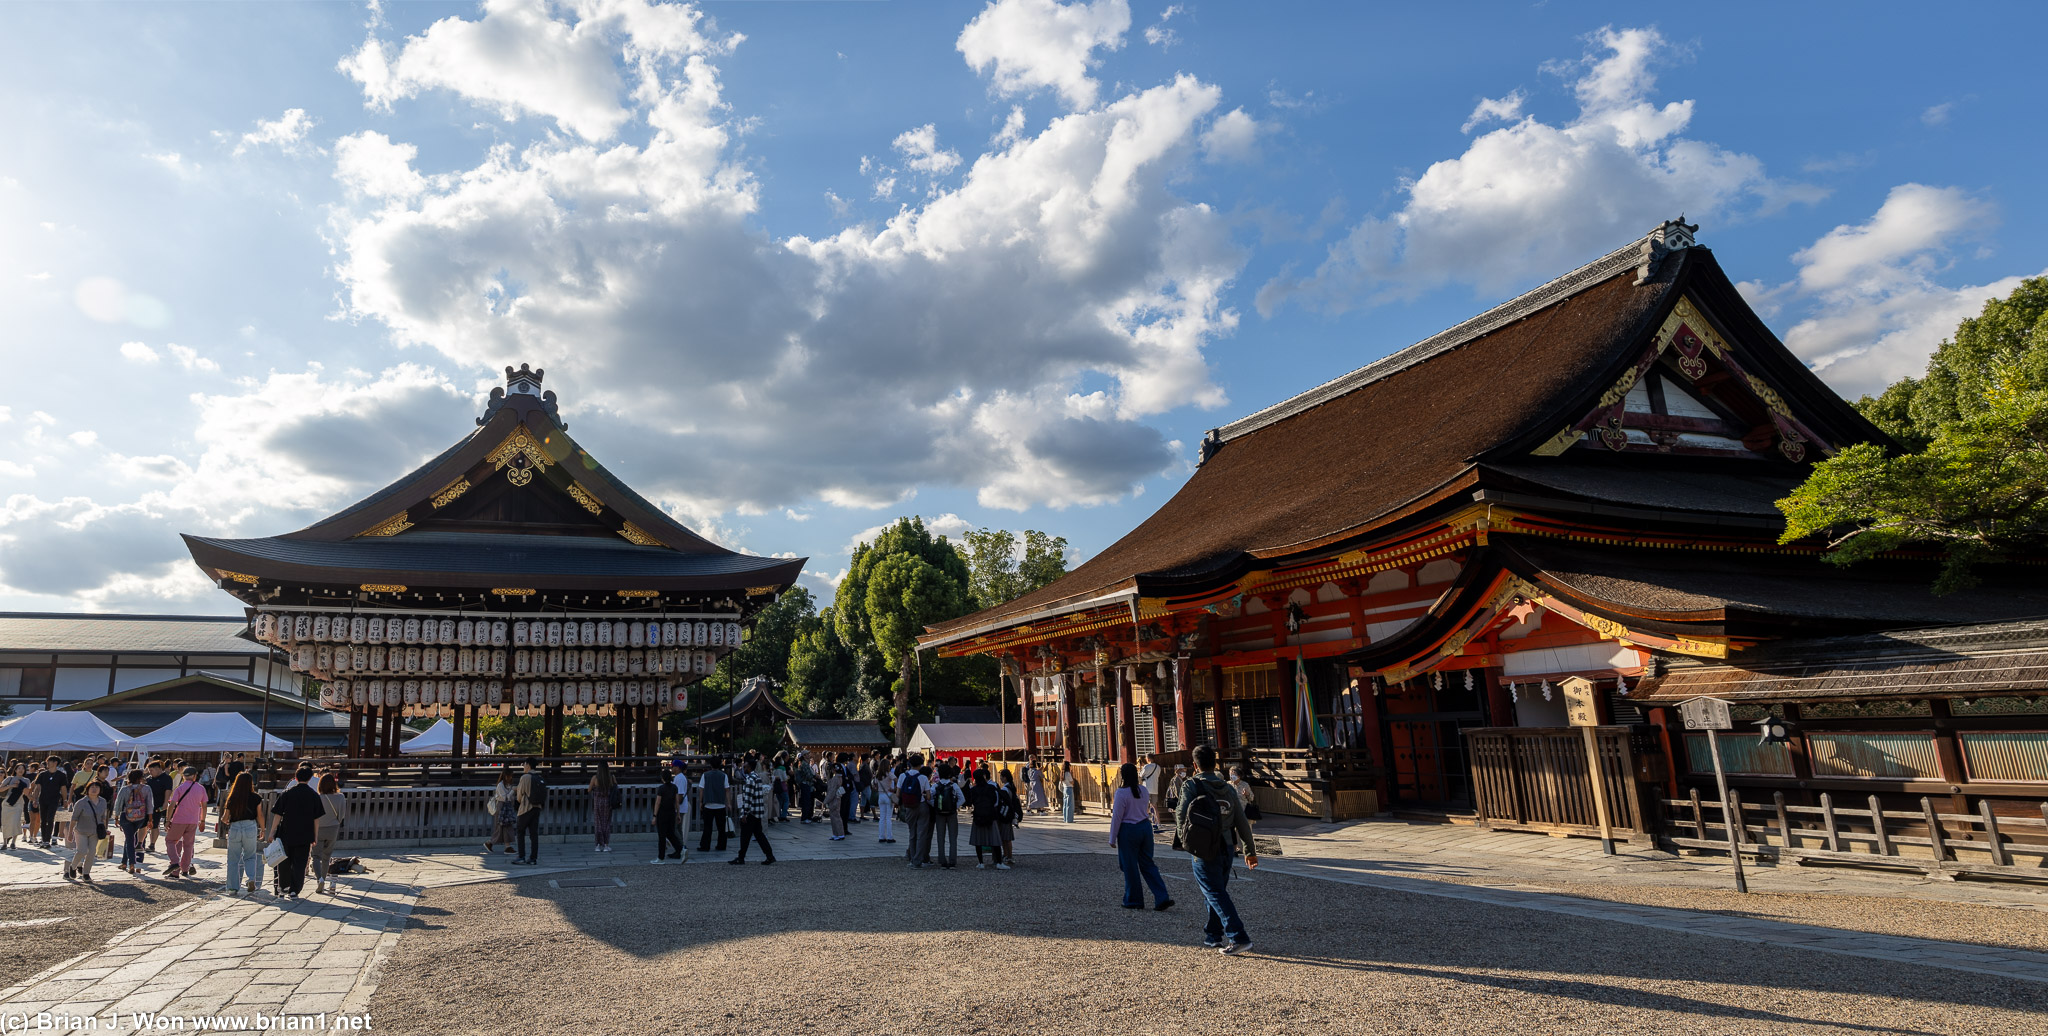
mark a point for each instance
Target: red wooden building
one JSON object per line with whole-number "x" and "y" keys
{"x": 1578, "y": 482}
{"x": 510, "y": 574}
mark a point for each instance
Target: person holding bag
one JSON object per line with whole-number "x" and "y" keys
{"x": 297, "y": 812}
{"x": 183, "y": 814}
{"x": 242, "y": 818}
{"x": 134, "y": 804}
{"x": 88, "y": 826}
{"x": 328, "y": 830}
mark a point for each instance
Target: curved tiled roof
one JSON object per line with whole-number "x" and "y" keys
{"x": 477, "y": 559}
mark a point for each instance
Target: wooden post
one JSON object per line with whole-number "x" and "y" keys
{"x": 1699, "y": 817}
{"x": 1582, "y": 710}
{"x": 1884, "y": 840}
{"x": 1827, "y": 812}
{"x": 1998, "y": 854}
{"x": 1126, "y": 722}
{"x": 474, "y": 722}
{"x": 1785, "y": 822}
{"x": 1934, "y": 838}
{"x": 1734, "y": 826}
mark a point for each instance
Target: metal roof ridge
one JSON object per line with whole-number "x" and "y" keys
{"x": 1537, "y": 298}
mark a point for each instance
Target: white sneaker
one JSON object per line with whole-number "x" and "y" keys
{"x": 657, "y": 863}
{"x": 981, "y": 866}
{"x": 1002, "y": 866}
{"x": 1236, "y": 948}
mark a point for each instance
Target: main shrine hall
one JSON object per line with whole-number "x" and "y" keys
{"x": 511, "y": 574}
{"x": 1361, "y": 584}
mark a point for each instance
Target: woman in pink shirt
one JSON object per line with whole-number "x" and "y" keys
{"x": 184, "y": 810}
{"x": 1130, "y": 832}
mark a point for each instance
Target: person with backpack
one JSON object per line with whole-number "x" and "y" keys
{"x": 946, "y": 799}
{"x": 1009, "y": 813}
{"x": 160, "y": 783}
{"x": 604, "y": 797}
{"x": 533, "y": 797}
{"x": 984, "y": 806}
{"x": 88, "y": 820}
{"x": 328, "y": 831}
{"x": 134, "y": 804}
{"x": 1211, "y": 825}
{"x": 913, "y": 802}
{"x": 711, "y": 792}
{"x": 1130, "y": 834}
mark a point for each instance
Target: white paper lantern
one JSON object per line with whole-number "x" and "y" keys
{"x": 360, "y": 693}
{"x": 618, "y": 695}
{"x": 408, "y": 631}
{"x": 636, "y": 663}
{"x": 359, "y": 657}
{"x": 358, "y": 628}
{"x": 519, "y": 638}
{"x": 462, "y": 692}
{"x": 265, "y": 623}
{"x": 497, "y": 662}
{"x": 519, "y": 694}
{"x": 465, "y": 632}
{"x": 732, "y": 634}
{"x": 445, "y": 693}
{"x": 636, "y": 634}
{"x": 554, "y": 694}
{"x": 495, "y": 693}
{"x": 448, "y": 659}
{"x": 408, "y": 663}
{"x": 302, "y": 627}
{"x": 373, "y": 630}
{"x": 522, "y": 662}
{"x": 408, "y": 692}
{"x": 554, "y": 634}
{"x": 601, "y": 634}
{"x": 497, "y": 633}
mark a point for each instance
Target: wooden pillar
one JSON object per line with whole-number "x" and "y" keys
{"x": 1181, "y": 729}
{"x": 355, "y": 730}
{"x": 1500, "y": 706}
{"x": 1070, "y": 726}
{"x": 475, "y": 721}
{"x": 1673, "y": 745}
{"x": 1216, "y": 708}
{"x": 1948, "y": 753}
{"x": 1290, "y": 718}
{"x": 392, "y": 720}
{"x": 1372, "y": 735}
{"x": 1125, "y": 725}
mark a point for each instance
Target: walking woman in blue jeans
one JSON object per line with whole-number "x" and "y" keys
{"x": 1130, "y": 832}
{"x": 242, "y": 818}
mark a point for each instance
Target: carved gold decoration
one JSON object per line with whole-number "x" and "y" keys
{"x": 634, "y": 534}
{"x": 638, "y": 593}
{"x": 760, "y": 591}
{"x": 519, "y": 442}
{"x": 1704, "y": 648}
{"x": 1559, "y": 443}
{"x": 448, "y": 493}
{"x": 512, "y": 591}
{"x": 518, "y": 476}
{"x": 391, "y": 526}
{"x": 239, "y": 577}
{"x": 583, "y": 497}
{"x": 382, "y": 588}
{"x": 1768, "y": 394}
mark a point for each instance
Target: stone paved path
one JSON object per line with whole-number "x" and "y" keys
{"x": 224, "y": 955}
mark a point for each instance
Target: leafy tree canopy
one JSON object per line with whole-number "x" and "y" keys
{"x": 998, "y": 573}
{"x": 906, "y": 579}
{"x": 1976, "y": 479}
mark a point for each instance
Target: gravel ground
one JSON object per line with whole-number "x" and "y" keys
{"x": 95, "y": 913}
{"x": 2017, "y": 927}
{"x": 869, "y": 947}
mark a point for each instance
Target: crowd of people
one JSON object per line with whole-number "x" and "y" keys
{"x": 84, "y": 811}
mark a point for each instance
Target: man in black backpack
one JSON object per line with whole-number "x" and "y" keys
{"x": 1211, "y": 825}
{"x": 533, "y": 794}
{"x": 913, "y": 799}
{"x": 711, "y": 789}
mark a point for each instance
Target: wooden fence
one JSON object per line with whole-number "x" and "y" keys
{"x": 1948, "y": 845}
{"x": 453, "y": 815}
{"x": 1536, "y": 779}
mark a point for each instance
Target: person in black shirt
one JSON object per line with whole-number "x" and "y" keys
{"x": 51, "y": 785}
{"x": 160, "y": 784}
{"x": 297, "y": 811}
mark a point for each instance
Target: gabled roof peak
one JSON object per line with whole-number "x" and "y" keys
{"x": 1645, "y": 254}
{"x": 522, "y": 388}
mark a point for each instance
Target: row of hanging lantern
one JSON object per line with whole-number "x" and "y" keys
{"x": 329, "y": 661}
{"x": 291, "y": 630}
{"x": 502, "y": 697}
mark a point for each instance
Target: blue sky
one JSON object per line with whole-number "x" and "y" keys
{"x": 798, "y": 268}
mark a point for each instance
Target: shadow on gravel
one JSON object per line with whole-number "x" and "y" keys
{"x": 1303, "y": 928}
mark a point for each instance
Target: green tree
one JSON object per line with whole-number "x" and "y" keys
{"x": 822, "y": 676}
{"x": 1975, "y": 481}
{"x": 997, "y": 574}
{"x": 906, "y": 579}
{"x": 765, "y": 652}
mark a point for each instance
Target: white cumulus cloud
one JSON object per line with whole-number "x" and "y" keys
{"x": 369, "y": 163}
{"x": 1532, "y": 197}
{"x": 1029, "y": 45}
{"x": 138, "y": 352}
{"x": 1016, "y": 328}
{"x": 287, "y": 132}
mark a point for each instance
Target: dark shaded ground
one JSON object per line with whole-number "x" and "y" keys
{"x": 870, "y": 947}
{"x": 96, "y": 913}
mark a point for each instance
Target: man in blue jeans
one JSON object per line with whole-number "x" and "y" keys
{"x": 1211, "y": 823}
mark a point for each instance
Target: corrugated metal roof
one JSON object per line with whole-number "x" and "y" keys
{"x": 124, "y": 634}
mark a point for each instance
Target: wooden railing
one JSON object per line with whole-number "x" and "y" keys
{"x": 1942, "y": 844}
{"x": 461, "y": 814}
{"x": 436, "y": 771}
{"x": 1536, "y": 779}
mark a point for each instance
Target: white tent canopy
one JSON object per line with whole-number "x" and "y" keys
{"x": 48, "y": 731}
{"x": 439, "y": 739}
{"x": 968, "y": 737}
{"x": 210, "y": 732}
